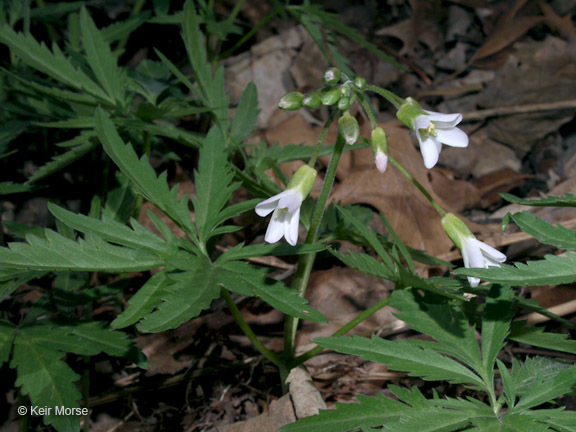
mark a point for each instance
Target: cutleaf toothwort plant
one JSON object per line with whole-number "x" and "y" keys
{"x": 86, "y": 89}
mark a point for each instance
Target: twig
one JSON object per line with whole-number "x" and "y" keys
{"x": 519, "y": 109}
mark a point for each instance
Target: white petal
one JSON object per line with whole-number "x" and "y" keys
{"x": 453, "y": 137}
{"x": 429, "y": 151}
{"x": 275, "y": 229}
{"x": 444, "y": 120}
{"x": 265, "y": 207}
{"x": 493, "y": 256}
{"x": 474, "y": 282}
{"x": 472, "y": 254}
{"x": 381, "y": 161}
{"x": 422, "y": 122}
{"x": 291, "y": 231}
{"x": 291, "y": 201}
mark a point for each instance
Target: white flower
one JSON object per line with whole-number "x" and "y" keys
{"x": 434, "y": 129}
{"x": 477, "y": 254}
{"x": 286, "y": 207}
{"x": 284, "y": 222}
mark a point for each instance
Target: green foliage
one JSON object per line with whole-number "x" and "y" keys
{"x": 214, "y": 186}
{"x": 58, "y": 253}
{"x": 526, "y": 385}
{"x": 44, "y": 376}
{"x": 566, "y": 200}
{"x": 53, "y": 63}
{"x": 154, "y": 189}
{"x": 552, "y": 270}
{"x": 210, "y": 87}
{"x": 544, "y": 232}
{"x": 101, "y": 60}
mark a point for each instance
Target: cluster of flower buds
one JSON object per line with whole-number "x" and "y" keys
{"x": 338, "y": 92}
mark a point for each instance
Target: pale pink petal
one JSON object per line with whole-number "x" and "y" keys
{"x": 381, "y": 161}
{"x": 453, "y": 137}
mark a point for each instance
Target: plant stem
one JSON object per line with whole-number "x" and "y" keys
{"x": 367, "y": 110}
{"x": 397, "y": 101}
{"x": 416, "y": 183}
{"x": 248, "y": 331}
{"x": 321, "y": 139}
{"x": 343, "y": 330}
{"x": 305, "y": 263}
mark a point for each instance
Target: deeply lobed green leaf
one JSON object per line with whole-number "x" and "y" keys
{"x": 552, "y": 270}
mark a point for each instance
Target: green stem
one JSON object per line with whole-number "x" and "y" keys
{"x": 367, "y": 110}
{"x": 321, "y": 139}
{"x": 397, "y": 101}
{"x": 343, "y": 330}
{"x": 248, "y": 331}
{"x": 305, "y": 263}
{"x": 416, "y": 183}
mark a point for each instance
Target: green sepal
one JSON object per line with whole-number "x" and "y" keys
{"x": 409, "y": 111}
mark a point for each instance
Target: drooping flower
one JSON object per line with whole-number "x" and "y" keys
{"x": 475, "y": 253}
{"x": 432, "y": 130}
{"x": 286, "y": 207}
{"x": 379, "y": 143}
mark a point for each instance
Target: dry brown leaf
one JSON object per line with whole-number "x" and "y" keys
{"x": 305, "y": 396}
{"x": 280, "y": 413}
{"x": 507, "y": 30}
{"x": 407, "y": 210}
{"x": 459, "y": 194}
{"x": 539, "y": 71}
{"x": 492, "y": 184}
{"x": 562, "y": 25}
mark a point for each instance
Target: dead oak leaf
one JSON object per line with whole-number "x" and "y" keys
{"x": 405, "y": 207}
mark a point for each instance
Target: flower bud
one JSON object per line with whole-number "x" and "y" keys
{"x": 379, "y": 143}
{"x": 303, "y": 180}
{"x": 456, "y": 229}
{"x": 332, "y": 76}
{"x": 348, "y": 128}
{"x": 291, "y": 101}
{"x": 360, "y": 83}
{"x": 344, "y": 103}
{"x": 331, "y": 96}
{"x": 409, "y": 111}
{"x": 312, "y": 100}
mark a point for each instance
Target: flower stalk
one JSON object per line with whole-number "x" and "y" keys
{"x": 305, "y": 263}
